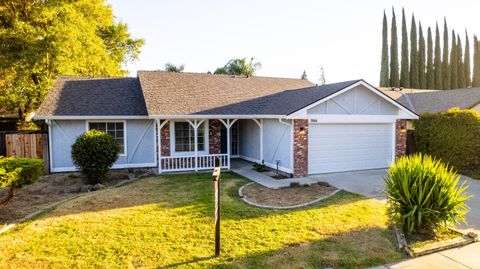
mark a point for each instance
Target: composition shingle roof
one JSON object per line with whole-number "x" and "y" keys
{"x": 87, "y": 96}
{"x": 168, "y": 93}
{"x": 432, "y": 101}
{"x": 282, "y": 103}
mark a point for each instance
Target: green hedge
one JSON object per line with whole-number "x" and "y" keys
{"x": 17, "y": 172}
{"x": 452, "y": 136}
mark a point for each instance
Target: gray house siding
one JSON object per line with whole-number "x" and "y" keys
{"x": 277, "y": 144}
{"x": 140, "y": 144}
{"x": 249, "y": 140}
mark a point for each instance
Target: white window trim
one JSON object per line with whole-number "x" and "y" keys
{"x": 173, "y": 150}
{"x": 125, "y": 150}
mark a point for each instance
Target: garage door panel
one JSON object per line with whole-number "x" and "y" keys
{"x": 347, "y": 147}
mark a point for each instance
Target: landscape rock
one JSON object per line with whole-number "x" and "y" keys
{"x": 98, "y": 186}
{"x": 86, "y": 188}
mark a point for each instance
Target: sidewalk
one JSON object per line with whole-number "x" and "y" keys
{"x": 462, "y": 257}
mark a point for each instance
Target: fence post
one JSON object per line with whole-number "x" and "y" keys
{"x": 216, "y": 182}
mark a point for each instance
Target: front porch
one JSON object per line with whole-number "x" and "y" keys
{"x": 196, "y": 144}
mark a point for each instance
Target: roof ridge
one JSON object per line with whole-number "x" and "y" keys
{"x": 216, "y": 75}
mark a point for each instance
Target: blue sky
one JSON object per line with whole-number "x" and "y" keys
{"x": 287, "y": 37}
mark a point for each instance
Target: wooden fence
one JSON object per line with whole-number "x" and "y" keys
{"x": 25, "y": 145}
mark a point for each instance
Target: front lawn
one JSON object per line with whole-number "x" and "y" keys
{"x": 167, "y": 221}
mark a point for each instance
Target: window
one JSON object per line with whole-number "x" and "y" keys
{"x": 185, "y": 137}
{"x": 116, "y": 129}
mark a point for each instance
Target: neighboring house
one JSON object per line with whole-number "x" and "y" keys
{"x": 432, "y": 101}
{"x": 184, "y": 121}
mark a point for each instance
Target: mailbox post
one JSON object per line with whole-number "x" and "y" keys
{"x": 216, "y": 183}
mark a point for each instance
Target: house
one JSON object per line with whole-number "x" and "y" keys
{"x": 185, "y": 121}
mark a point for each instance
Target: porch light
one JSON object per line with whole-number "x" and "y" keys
{"x": 402, "y": 129}
{"x": 302, "y": 131}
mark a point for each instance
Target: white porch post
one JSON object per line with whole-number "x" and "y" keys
{"x": 228, "y": 124}
{"x": 195, "y": 124}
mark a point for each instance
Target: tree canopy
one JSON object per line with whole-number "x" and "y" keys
{"x": 169, "y": 67}
{"x": 40, "y": 40}
{"x": 239, "y": 67}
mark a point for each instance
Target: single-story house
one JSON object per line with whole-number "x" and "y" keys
{"x": 184, "y": 121}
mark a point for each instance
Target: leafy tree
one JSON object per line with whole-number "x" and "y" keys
{"x": 422, "y": 76}
{"x": 384, "y": 80}
{"x": 476, "y": 63}
{"x": 394, "y": 76}
{"x": 461, "y": 80}
{"x": 304, "y": 75}
{"x": 430, "y": 79}
{"x": 453, "y": 63}
{"x": 437, "y": 62}
{"x": 414, "y": 77}
{"x": 239, "y": 67}
{"x": 42, "y": 39}
{"x": 169, "y": 67}
{"x": 404, "y": 67}
{"x": 445, "y": 63}
{"x": 466, "y": 62}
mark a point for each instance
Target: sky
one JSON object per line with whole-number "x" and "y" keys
{"x": 286, "y": 37}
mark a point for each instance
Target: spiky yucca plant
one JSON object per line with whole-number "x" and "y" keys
{"x": 424, "y": 193}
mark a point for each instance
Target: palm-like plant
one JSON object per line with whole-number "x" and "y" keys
{"x": 240, "y": 67}
{"x": 169, "y": 67}
{"x": 423, "y": 193}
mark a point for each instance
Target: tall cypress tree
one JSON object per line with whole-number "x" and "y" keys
{"x": 394, "y": 76}
{"x": 414, "y": 77}
{"x": 384, "y": 81}
{"x": 476, "y": 63}
{"x": 404, "y": 67}
{"x": 466, "y": 62}
{"x": 453, "y": 63}
{"x": 422, "y": 76}
{"x": 462, "y": 82}
{"x": 445, "y": 63}
{"x": 437, "y": 62}
{"x": 430, "y": 70}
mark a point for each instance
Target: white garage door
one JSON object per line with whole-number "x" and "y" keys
{"x": 348, "y": 147}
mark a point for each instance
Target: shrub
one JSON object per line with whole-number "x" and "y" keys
{"x": 17, "y": 172}
{"x": 94, "y": 152}
{"x": 260, "y": 167}
{"x": 452, "y": 137}
{"x": 423, "y": 193}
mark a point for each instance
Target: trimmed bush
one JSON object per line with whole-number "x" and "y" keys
{"x": 94, "y": 152}
{"x": 17, "y": 172}
{"x": 452, "y": 137}
{"x": 423, "y": 193}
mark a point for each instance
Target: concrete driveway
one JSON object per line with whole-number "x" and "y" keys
{"x": 370, "y": 184}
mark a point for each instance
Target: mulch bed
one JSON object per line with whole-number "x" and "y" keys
{"x": 291, "y": 196}
{"x": 50, "y": 189}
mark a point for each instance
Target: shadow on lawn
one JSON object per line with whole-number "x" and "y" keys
{"x": 354, "y": 249}
{"x": 188, "y": 194}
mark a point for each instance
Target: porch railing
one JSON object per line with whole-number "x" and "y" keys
{"x": 187, "y": 163}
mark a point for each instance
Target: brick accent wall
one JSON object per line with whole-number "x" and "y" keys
{"x": 214, "y": 137}
{"x": 165, "y": 138}
{"x": 300, "y": 148}
{"x": 400, "y": 138}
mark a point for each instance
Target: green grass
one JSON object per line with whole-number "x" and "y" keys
{"x": 167, "y": 221}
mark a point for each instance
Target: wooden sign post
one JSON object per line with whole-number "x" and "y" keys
{"x": 216, "y": 183}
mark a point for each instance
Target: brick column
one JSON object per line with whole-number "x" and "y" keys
{"x": 214, "y": 136}
{"x": 400, "y": 138}
{"x": 165, "y": 137}
{"x": 300, "y": 148}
